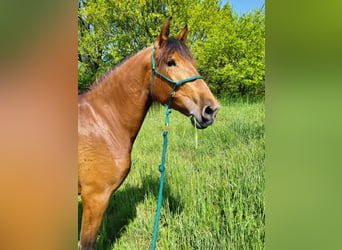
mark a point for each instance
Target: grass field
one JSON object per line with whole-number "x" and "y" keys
{"x": 213, "y": 195}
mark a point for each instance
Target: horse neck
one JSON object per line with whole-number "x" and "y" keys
{"x": 124, "y": 95}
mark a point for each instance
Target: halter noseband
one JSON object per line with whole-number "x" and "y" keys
{"x": 174, "y": 83}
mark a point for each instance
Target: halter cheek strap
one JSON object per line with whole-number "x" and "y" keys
{"x": 174, "y": 83}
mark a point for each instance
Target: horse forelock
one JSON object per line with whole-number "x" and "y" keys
{"x": 169, "y": 47}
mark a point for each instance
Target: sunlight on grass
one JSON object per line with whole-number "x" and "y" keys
{"x": 214, "y": 193}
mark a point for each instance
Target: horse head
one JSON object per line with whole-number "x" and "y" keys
{"x": 174, "y": 60}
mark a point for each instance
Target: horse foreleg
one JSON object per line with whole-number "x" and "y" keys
{"x": 94, "y": 206}
{"x": 95, "y": 199}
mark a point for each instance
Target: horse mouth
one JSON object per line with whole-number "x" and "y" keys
{"x": 199, "y": 124}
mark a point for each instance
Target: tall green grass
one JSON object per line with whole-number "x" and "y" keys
{"x": 214, "y": 194}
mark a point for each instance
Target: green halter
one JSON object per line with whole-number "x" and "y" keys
{"x": 174, "y": 83}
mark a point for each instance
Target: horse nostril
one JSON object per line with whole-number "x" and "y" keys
{"x": 208, "y": 114}
{"x": 208, "y": 110}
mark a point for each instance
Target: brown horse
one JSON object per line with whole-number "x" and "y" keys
{"x": 112, "y": 112}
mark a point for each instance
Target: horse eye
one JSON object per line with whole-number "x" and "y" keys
{"x": 171, "y": 62}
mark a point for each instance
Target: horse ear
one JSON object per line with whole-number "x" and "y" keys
{"x": 183, "y": 35}
{"x": 164, "y": 33}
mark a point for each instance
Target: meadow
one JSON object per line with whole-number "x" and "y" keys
{"x": 214, "y": 184}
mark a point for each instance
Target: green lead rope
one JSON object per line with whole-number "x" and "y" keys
{"x": 167, "y": 121}
{"x": 162, "y": 172}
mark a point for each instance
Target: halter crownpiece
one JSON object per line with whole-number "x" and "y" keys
{"x": 174, "y": 83}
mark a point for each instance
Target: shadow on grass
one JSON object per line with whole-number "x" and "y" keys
{"x": 122, "y": 209}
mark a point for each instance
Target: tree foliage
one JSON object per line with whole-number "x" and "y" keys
{"x": 229, "y": 48}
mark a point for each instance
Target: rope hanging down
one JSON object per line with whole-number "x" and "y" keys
{"x": 162, "y": 174}
{"x": 165, "y": 133}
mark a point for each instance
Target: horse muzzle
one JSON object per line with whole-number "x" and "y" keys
{"x": 206, "y": 118}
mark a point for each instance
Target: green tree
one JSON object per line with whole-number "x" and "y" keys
{"x": 111, "y": 30}
{"x": 232, "y": 54}
{"x": 229, "y": 49}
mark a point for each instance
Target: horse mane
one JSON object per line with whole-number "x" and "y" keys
{"x": 104, "y": 76}
{"x": 170, "y": 46}
{"x": 99, "y": 79}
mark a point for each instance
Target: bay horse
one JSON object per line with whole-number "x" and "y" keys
{"x": 111, "y": 113}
